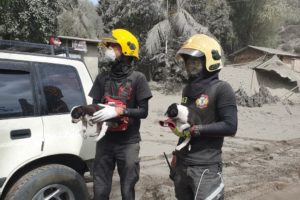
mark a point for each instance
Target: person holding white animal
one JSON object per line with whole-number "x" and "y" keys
{"x": 180, "y": 118}
{"x": 124, "y": 93}
{"x": 198, "y": 166}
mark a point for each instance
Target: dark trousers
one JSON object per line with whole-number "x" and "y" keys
{"x": 126, "y": 157}
{"x": 198, "y": 182}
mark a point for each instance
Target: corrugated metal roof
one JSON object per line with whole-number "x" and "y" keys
{"x": 268, "y": 51}
{"x": 274, "y": 51}
{"x": 282, "y": 69}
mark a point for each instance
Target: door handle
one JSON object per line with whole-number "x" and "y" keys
{"x": 20, "y": 134}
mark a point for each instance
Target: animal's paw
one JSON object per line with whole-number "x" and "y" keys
{"x": 90, "y": 122}
{"x": 84, "y": 134}
{"x": 75, "y": 120}
{"x": 84, "y": 130}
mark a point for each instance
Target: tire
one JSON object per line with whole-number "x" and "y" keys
{"x": 60, "y": 181}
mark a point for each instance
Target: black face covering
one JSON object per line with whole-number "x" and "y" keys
{"x": 120, "y": 69}
{"x": 197, "y": 83}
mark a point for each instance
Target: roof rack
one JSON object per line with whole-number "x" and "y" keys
{"x": 15, "y": 45}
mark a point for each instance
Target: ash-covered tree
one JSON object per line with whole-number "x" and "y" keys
{"x": 177, "y": 22}
{"x": 29, "y": 20}
{"x": 166, "y": 37}
{"x": 289, "y": 34}
{"x": 138, "y": 17}
{"x": 257, "y": 22}
{"x": 161, "y": 27}
{"x": 292, "y": 15}
{"x": 79, "y": 18}
{"x": 214, "y": 14}
{"x": 183, "y": 19}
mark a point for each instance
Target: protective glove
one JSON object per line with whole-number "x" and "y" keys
{"x": 108, "y": 112}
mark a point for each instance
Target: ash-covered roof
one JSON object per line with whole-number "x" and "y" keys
{"x": 279, "y": 67}
{"x": 267, "y": 51}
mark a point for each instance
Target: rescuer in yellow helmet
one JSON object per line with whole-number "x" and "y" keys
{"x": 198, "y": 166}
{"x": 124, "y": 94}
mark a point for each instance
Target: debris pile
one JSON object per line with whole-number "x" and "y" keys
{"x": 257, "y": 100}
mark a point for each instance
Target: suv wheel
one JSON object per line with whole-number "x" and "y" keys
{"x": 55, "y": 182}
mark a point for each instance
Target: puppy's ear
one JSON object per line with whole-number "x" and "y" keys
{"x": 82, "y": 110}
{"x": 77, "y": 112}
{"x": 167, "y": 113}
{"x": 172, "y": 110}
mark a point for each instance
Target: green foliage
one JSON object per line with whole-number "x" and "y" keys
{"x": 30, "y": 20}
{"x": 3, "y": 2}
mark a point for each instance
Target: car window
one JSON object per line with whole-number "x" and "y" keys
{"x": 16, "y": 93}
{"x": 61, "y": 86}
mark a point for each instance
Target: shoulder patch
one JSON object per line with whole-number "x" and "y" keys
{"x": 202, "y": 101}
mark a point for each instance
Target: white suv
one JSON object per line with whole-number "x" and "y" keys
{"x": 42, "y": 154}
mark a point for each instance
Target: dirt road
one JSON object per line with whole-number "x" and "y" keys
{"x": 261, "y": 162}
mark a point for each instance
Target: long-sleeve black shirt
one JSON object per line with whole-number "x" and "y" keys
{"x": 215, "y": 102}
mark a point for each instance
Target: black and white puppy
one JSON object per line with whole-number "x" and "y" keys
{"x": 84, "y": 114}
{"x": 184, "y": 117}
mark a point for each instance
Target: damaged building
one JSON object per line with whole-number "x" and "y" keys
{"x": 252, "y": 53}
{"x": 260, "y": 67}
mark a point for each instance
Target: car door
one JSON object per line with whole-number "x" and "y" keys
{"x": 62, "y": 90}
{"x": 21, "y": 127}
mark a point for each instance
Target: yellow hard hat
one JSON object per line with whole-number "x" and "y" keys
{"x": 127, "y": 41}
{"x": 202, "y": 45}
